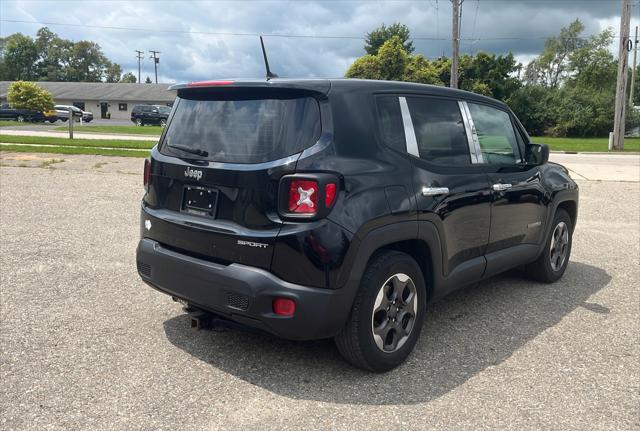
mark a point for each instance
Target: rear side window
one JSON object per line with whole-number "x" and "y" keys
{"x": 497, "y": 138}
{"x": 439, "y": 131}
{"x": 390, "y": 119}
{"x": 243, "y": 129}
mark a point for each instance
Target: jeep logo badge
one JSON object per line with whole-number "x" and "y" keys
{"x": 193, "y": 173}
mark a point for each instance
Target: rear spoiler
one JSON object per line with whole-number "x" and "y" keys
{"x": 321, "y": 86}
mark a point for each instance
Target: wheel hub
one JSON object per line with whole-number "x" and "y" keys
{"x": 559, "y": 246}
{"x": 394, "y": 312}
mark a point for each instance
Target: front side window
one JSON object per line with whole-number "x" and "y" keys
{"x": 439, "y": 130}
{"x": 498, "y": 143}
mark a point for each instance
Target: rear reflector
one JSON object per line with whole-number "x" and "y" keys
{"x": 284, "y": 306}
{"x": 208, "y": 83}
{"x": 303, "y": 196}
{"x": 147, "y": 172}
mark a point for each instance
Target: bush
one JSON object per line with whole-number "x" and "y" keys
{"x": 29, "y": 95}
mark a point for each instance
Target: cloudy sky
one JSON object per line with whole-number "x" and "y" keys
{"x": 188, "y": 34}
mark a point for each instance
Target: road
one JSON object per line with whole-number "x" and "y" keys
{"x": 86, "y": 345}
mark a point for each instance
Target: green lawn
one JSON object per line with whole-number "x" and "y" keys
{"x": 65, "y": 142}
{"x": 584, "y": 144}
{"x": 103, "y": 147}
{"x": 7, "y": 123}
{"x": 72, "y": 150}
{"x": 125, "y": 130}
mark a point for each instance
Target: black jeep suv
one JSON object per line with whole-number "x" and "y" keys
{"x": 150, "y": 114}
{"x": 341, "y": 208}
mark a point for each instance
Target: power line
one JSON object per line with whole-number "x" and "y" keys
{"x": 303, "y": 36}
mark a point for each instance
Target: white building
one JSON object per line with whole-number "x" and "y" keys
{"x": 105, "y": 100}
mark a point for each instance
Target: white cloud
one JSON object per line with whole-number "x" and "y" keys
{"x": 186, "y": 57}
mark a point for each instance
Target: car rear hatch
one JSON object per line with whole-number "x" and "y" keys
{"x": 214, "y": 176}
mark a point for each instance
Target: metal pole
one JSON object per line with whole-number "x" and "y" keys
{"x": 156, "y": 60}
{"x": 70, "y": 123}
{"x": 455, "y": 39}
{"x": 621, "y": 84}
{"x": 633, "y": 71}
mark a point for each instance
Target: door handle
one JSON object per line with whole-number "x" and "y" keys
{"x": 500, "y": 187}
{"x": 435, "y": 191}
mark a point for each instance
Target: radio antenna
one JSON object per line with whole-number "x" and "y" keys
{"x": 266, "y": 62}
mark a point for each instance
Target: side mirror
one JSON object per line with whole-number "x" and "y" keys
{"x": 537, "y": 154}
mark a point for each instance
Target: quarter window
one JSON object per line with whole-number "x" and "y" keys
{"x": 498, "y": 143}
{"x": 390, "y": 119}
{"x": 439, "y": 131}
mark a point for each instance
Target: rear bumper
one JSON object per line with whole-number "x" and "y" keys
{"x": 244, "y": 294}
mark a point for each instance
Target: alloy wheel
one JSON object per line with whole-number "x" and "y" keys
{"x": 559, "y": 246}
{"x": 394, "y": 312}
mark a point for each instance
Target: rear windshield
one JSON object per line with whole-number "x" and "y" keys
{"x": 243, "y": 128}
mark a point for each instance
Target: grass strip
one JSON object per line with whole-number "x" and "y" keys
{"x": 126, "y": 130}
{"x": 52, "y": 149}
{"x": 584, "y": 144}
{"x": 63, "y": 142}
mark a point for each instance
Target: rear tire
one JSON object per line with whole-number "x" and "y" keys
{"x": 139, "y": 122}
{"x": 551, "y": 264}
{"x": 163, "y": 123}
{"x": 387, "y": 314}
{"x": 20, "y": 119}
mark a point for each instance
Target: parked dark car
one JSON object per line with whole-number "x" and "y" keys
{"x": 9, "y": 113}
{"x": 156, "y": 115}
{"x": 341, "y": 208}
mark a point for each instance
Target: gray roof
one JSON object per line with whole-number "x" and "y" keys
{"x": 102, "y": 91}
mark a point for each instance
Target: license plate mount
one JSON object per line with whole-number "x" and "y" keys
{"x": 200, "y": 200}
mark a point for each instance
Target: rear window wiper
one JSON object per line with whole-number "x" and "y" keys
{"x": 196, "y": 151}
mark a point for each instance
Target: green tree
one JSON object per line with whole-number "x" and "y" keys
{"x": 54, "y": 56}
{"x": 489, "y": 74}
{"x": 87, "y": 62}
{"x": 419, "y": 69}
{"x": 129, "y": 78}
{"x": 393, "y": 59}
{"x": 551, "y": 67}
{"x": 29, "y": 95}
{"x": 147, "y": 81}
{"x": 375, "y": 39}
{"x": 365, "y": 67}
{"x": 113, "y": 72}
{"x": 19, "y": 54}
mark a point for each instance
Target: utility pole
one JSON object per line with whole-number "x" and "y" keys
{"x": 455, "y": 39}
{"x": 633, "y": 71}
{"x": 621, "y": 83}
{"x": 140, "y": 56}
{"x": 156, "y": 60}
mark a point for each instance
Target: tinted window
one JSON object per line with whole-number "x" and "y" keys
{"x": 496, "y": 135}
{"x": 439, "y": 130}
{"x": 390, "y": 119}
{"x": 244, "y": 129}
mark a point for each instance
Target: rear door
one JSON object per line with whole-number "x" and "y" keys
{"x": 451, "y": 188}
{"x": 221, "y": 204}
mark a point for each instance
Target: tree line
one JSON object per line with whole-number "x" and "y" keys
{"x": 567, "y": 90}
{"x": 48, "y": 57}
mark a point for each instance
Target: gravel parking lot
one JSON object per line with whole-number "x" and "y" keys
{"x": 86, "y": 345}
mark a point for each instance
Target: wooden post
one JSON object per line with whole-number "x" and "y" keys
{"x": 621, "y": 83}
{"x": 455, "y": 39}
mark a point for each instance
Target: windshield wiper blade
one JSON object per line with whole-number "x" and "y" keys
{"x": 196, "y": 151}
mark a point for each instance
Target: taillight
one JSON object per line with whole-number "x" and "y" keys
{"x": 147, "y": 172}
{"x": 307, "y": 196}
{"x": 303, "y": 196}
{"x": 284, "y": 306}
{"x": 329, "y": 194}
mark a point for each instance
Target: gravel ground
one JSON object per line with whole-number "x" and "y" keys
{"x": 86, "y": 345}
